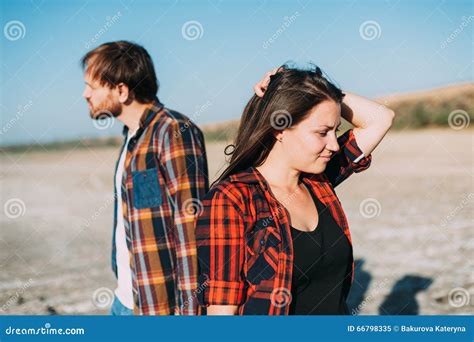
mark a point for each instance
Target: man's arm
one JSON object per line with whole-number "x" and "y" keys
{"x": 184, "y": 159}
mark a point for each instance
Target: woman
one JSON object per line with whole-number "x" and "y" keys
{"x": 272, "y": 237}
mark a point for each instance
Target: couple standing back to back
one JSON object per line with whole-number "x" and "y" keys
{"x": 270, "y": 237}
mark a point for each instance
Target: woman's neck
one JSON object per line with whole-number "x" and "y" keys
{"x": 278, "y": 175}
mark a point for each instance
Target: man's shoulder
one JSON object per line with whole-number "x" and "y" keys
{"x": 175, "y": 122}
{"x": 173, "y": 117}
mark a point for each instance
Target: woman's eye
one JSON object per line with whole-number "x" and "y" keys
{"x": 324, "y": 133}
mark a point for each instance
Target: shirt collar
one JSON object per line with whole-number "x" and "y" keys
{"x": 252, "y": 176}
{"x": 147, "y": 117}
{"x": 249, "y": 176}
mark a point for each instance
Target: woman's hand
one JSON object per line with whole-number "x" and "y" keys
{"x": 262, "y": 86}
{"x": 222, "y": 310}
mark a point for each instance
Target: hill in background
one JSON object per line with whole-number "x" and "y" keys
{"x": 416, "y": 110}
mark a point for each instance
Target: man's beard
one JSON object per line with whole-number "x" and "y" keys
{"x": 107, "y": 109}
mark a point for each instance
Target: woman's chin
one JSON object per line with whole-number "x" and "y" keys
{"x": 317, "y": 168}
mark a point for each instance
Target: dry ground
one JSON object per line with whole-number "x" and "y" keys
{"x": 417, "y": 248}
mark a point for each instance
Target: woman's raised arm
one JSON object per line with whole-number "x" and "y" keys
{"x": 370, "y": 119}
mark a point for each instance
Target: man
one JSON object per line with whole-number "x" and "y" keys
{"x": 160, "y": 177}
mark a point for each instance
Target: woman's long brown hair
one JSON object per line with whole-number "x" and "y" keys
{"x": 290, "y": 95}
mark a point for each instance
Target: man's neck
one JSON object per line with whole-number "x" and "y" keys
{"x": 131, "y": 115}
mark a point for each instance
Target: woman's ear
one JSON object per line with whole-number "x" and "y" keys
{"x": 278, "y": 135}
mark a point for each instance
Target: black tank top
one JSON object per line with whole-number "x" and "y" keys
{"x": 321, "y": 268}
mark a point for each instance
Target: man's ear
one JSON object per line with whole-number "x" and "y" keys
{"x": 123, "y": 92}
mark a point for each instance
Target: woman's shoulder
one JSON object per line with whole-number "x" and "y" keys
{"x": 227, "y": 189}
{"x": 237, "y": 188}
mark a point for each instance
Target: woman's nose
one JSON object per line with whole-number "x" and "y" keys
{"x": 333, "y": 145}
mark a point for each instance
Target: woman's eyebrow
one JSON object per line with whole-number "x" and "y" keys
{"x": 331, "y": 127}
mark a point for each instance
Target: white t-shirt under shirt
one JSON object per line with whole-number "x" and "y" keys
{"x": 124, "y": 290}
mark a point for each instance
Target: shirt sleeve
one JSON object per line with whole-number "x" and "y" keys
{"x": 220, "y": 242}
{"x": 185, "y": 167}
{"x": 348, "y": 159}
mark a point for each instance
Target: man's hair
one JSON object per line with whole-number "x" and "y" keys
{"x": 123, "y": 62}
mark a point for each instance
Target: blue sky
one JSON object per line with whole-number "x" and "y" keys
{"x": 371, "y": 48}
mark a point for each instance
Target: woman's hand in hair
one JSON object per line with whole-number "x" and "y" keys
{"x": 262, "y": 86}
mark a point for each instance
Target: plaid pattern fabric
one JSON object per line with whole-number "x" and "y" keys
{"x": 165, "y": 177}
{"x": 243, "y": 235}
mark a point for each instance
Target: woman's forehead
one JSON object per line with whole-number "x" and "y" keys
{"x": 327, "y": 113}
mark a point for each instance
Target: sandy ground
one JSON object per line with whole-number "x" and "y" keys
{"x": 411, "y": 216}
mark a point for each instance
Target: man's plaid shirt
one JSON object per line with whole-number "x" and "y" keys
{"x": 165, "y": 177}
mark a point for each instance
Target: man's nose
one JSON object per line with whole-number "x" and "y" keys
{"x": 86, "y": 94}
